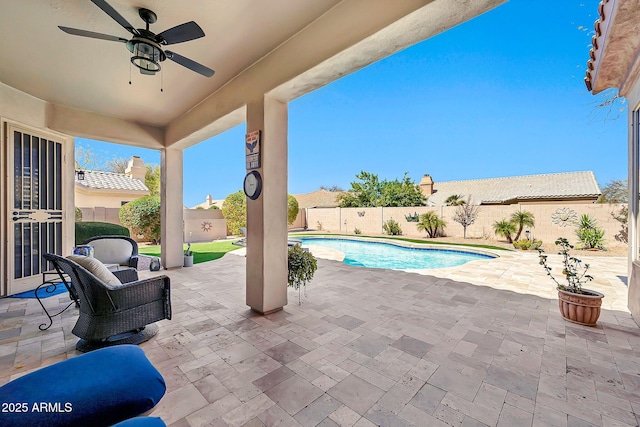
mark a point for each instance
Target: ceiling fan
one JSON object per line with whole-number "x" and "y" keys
{"x": 145, "y": 46}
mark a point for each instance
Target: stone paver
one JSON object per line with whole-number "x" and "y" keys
{"x": 474, "y": 345}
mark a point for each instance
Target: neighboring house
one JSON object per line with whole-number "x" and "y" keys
{"x": 102, "y": 192}
{"x": 318, "y": 199}
{"x": 208, "y": 203}
{"x": 572, "y": 187}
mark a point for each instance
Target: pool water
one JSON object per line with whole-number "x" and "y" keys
{"x": 386, "y": 255}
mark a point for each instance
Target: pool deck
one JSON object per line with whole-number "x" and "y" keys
{"x": 473, "y": 345}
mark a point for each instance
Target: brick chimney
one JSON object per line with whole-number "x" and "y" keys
{"x": 136, "y": 169}
{"x": 426, "y": 185}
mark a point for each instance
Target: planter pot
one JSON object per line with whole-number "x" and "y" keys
{"x": 583, "y": 309}
{"x": 188, "y": 261}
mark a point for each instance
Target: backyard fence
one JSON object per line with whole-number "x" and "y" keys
{"x": 552, "y": 220}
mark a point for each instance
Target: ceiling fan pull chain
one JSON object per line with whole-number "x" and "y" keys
{"x": 130, "y": 70}
{"x": 161, "y": 80}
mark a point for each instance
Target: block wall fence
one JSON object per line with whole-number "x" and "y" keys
{"x": 551, "y": 220}
{"x": 204, "y": 225}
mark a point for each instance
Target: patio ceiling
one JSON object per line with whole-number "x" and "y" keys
{"x": 282, "y": 47}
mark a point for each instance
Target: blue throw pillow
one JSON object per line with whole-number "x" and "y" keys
{"x": 100, "y": 388}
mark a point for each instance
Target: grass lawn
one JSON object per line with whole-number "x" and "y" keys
{"x": 202, "y": 252}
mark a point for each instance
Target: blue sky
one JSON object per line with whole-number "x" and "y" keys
{"x": 500, "y": 95}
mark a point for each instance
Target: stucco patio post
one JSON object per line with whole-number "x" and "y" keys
{"x": 171, "y": 165}
{"x": 267, "y": 216}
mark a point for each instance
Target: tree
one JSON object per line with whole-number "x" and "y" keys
{"x": 142, "y": 217}
{"x": 152, "y": 179}
{"x": 292, "y": 209}
{"x": 454, "y": 200}
{"x": 504, "y": 228}
{"x": 365, "y": 193}
{"x": 589, "y": 233}
{"x": 117, "y": 165}
{"x": 615, "y": 192}
{"x": 466, "y": 215}
{"x": 399, "y": 193}
{"x": 521, "y": 219}
{"x": 85, "y": 158}
{"x": 431, "y": 223}
{"x": 234, "y": 210}
{"x": 333, "y": 188}
{"x": 369, "y": 191}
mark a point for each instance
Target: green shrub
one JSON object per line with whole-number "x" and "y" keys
{"x": 234, "y": 210}
{"x": 319, "y": 226}
{"x": 589, "y": 234}
{"x": 292, "y": 209}
{"x": 527, "y": 245}
{"x": 357, "y": 231}
{"x": 78, "y": 215}
{"x": 432, "y": 224}
{"x": 142, "y": 217}
{"x": 87, "y": 230}
{"x": 214, "y": 207}
{"x": 392, "y": 228}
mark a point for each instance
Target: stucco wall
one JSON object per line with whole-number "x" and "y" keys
{"x": 106, "y": 199}
{"x": 547, "y": 217}
{"x": 204, "y": 225}
{"x": 195, "y": 221}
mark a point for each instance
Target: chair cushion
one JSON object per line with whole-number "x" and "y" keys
{"x": 99, "y": 388}
{"x": 97, "y": 268}
{"x": 142, "y": 422}
{"x": 112, "y": 251}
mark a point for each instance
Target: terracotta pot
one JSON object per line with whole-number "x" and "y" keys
{"x": 583, "y": 309}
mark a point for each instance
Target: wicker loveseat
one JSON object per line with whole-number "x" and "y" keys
{"x": 121, "y": 250}
{"x": 115, "y": 307}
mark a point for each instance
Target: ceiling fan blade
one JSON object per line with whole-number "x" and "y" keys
{"x": 85, "y": 33}
{"x": 181, "y": 33}
{"x": 106, "y": 8}
{"x": 189, "y": 63}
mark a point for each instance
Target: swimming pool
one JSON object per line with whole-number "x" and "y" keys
{"x": 392, "y": 256}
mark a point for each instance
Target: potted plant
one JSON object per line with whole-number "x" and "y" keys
{"x": 188, "y": 256}
{"x": 302, "y": 265}
{"x": 577, "y": 304}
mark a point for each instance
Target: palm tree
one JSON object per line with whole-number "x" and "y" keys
{"x": 521, "y": 219}
{"x": 431, "y": 223}
{"x": 454, "y": 200}
{"x": 504, "y": 228}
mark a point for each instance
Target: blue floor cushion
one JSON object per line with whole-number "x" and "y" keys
{"x": 99, "y": 388}
{"x": 142, "y": 422}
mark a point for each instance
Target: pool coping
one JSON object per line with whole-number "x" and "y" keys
{"x": 332, "y": 253}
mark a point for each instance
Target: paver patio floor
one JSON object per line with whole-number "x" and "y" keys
{"x": 479, "y": 344}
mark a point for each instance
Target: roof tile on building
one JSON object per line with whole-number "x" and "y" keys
{"x": 568, "y": 185}
{"x": 318, "y": 199}
{"x": 110, "y": 181}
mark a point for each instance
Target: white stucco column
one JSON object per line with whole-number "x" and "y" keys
{"x": 267, "y": 215}
{"x": 171, "y": 207}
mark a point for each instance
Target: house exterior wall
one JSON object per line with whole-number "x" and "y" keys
{"x": 88, "y": 199}
{"x": 548, "y": 227}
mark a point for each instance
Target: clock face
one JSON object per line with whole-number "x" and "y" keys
{"x": 252, "y": 185}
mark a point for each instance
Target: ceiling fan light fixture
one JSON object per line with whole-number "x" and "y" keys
{"x": 146, "y": 55}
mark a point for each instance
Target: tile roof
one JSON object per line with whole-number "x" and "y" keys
{"x": 595, "y": 46}
{"x": 318, "y": 199}
{"x": 568, "y": 185}
{"x": 111, "y": 181}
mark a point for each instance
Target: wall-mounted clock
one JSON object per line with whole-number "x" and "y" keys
{"x": 253, "y": 185}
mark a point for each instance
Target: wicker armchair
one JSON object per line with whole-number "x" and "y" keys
{"x": 118, "y": 314}
{"x": 121, "y": 250}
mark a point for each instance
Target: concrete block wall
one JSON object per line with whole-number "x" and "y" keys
{"x": 549, "y": 225}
